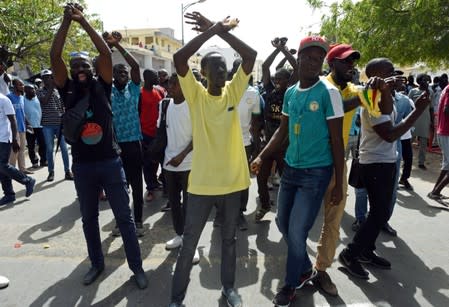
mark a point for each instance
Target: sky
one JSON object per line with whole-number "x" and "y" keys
{"x": 260, "y": 21}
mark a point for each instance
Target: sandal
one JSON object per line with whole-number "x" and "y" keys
{"x": 260, "y": 213}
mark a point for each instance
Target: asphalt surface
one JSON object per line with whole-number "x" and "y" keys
{"x": 43, "y": 253}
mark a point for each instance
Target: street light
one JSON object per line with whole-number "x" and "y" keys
{"x": 183, "y": 10}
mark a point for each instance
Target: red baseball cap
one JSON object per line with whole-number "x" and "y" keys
{"x": 341, "y": 52}
{"x": 313, "y": 41}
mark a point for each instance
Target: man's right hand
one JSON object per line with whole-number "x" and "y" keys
{"x": 15, "y": 146}
{"x": 255, "y": 165}
{"x": 423, "y": 101}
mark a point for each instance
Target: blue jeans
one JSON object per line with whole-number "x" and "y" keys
{"x": 8, "y": 172}
{"x": 49, "y": 135}
{"x": 361, "y": 204}
{"x": 90, "y": 178}
{"x": 299, "y": 200}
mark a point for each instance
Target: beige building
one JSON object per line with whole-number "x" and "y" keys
{"x": 153, "y": 48}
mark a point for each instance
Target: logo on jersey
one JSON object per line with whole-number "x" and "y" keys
{"x": 314, "y": 106}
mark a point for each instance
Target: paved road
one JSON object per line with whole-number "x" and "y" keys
{"x": 42, "y": 252}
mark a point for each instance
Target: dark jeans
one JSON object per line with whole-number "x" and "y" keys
{"x": 176, "y": 184}
{"x": 90, "y": 178}
{"x": 407, "y": 156}
{"x": 150, "y": 167}
{"x": 197, "y": 214}
{"x": 38, "y": 136}
{"x": 8, "y": 172}
{"x": 264, "y": 174}
{"x": 299, "y": 200}
{"x": 132, "y": 164}
{"x": 379, "y": 180}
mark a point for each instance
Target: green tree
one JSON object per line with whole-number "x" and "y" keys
{"x": 406, "y": 31}
{"x": 27, "y": 28}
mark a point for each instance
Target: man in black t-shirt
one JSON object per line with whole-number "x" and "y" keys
{"x": 96, "y": 162}
{"x": 274, "y": 97}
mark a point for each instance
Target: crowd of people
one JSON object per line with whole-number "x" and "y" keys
{"x": 298, "y": 125}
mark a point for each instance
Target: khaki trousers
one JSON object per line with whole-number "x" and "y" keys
{"x": 330, "y": 232}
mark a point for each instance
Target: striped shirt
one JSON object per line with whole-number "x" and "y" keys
{"x": 52, "y": 110}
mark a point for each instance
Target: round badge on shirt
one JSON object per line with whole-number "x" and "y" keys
{"x": 91, "y": 134}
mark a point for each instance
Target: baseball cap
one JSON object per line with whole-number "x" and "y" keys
{"x": 313, "y": 41}
{"x": 341, "y": 52}
{"x": 46, "y": 72}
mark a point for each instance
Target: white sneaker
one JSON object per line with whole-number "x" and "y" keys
{"x": 196, "y": 257}
{"x": 174, "y": 243}
{"x": 276, "y": 180}
{"x": 4, "y": 282}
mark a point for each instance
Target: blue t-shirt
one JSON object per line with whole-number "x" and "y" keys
{"x": 126, "y": 114}
{"x": 18, "y": 104}
{"x": 308, "y": 111}
{"x": 33, "y": 112}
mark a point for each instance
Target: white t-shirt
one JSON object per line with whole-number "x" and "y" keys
{"x": 373, "y": 149}
{"x": 4, "y": 89}
{"x": 249, "y": 105}
{"x": 6, "y": 108}
{"x": 179, "y": 135}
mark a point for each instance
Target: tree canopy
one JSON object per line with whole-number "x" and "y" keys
{"x": 406, "y": 31}
{"x": 27, "y": 29}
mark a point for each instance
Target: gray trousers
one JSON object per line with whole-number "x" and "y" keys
{"x": 197, "y": 214}
{"x": 422, "y": 150}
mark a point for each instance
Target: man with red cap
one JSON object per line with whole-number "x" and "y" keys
{"x": 312, "y": 119}
{"x": 341, "y": 59}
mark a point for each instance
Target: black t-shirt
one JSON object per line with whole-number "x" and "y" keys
{"x": 274, "y": 100}
{"x": 97, "y": 141}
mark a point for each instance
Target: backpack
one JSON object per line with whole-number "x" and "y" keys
{"x": 155, "y": 151}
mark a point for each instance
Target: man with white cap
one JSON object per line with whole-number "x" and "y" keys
{"x": 52, "y": 110}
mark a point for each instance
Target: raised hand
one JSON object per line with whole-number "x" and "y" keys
{"x": 423, "y": 101}
{"x": 74, "y": 11}
{"x": 200, "y": 22}
{"x": 112, "y": 39}
{"x": 279, "y": 43}
{"x": 378, "y": 83}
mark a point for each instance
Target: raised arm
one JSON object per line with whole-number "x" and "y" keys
{"x": 391, "y": 133}
{"x": 208, "y": 30}
{"x": 266, "y": 75}
{"x": 113, "y": 40}
{"x": 104, "y": 60}
{"x": 57, "y": 63}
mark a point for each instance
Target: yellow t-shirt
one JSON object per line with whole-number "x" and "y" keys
{"x": 350, "y": 91}
{"x": 219, "y": 163}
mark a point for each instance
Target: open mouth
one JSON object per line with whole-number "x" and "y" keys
{"x": 82, "y": 77}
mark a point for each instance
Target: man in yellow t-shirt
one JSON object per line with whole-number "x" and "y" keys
{"x": 341, "y": 59}
{"x": 219, "y": 171}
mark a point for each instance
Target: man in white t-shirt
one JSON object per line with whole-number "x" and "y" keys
{"x": 4, "y": 79}
{"x": 178, "y": 158}
{"x": 8, "y": 141}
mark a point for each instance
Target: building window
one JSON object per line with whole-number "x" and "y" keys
{"x": 162, "y": 43}
{"x": 168, "y": 48}
{"x": 134, "y": 40}
{"x": 148, "y": 40}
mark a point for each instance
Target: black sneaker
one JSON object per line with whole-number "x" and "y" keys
{"x": 306, "y": 277}
{"x": 422, "y": 166}
{"x": 371, "y": 258}
{"x": 352, "y": 265}
{"x": 356, "y": 225}
{"x": 51, "y": 176}
{"x": 434, "y": 196}
{"x": 390, "y": 230}
{"x": 285, "y": 296}
{"x": 406, "y": 184}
